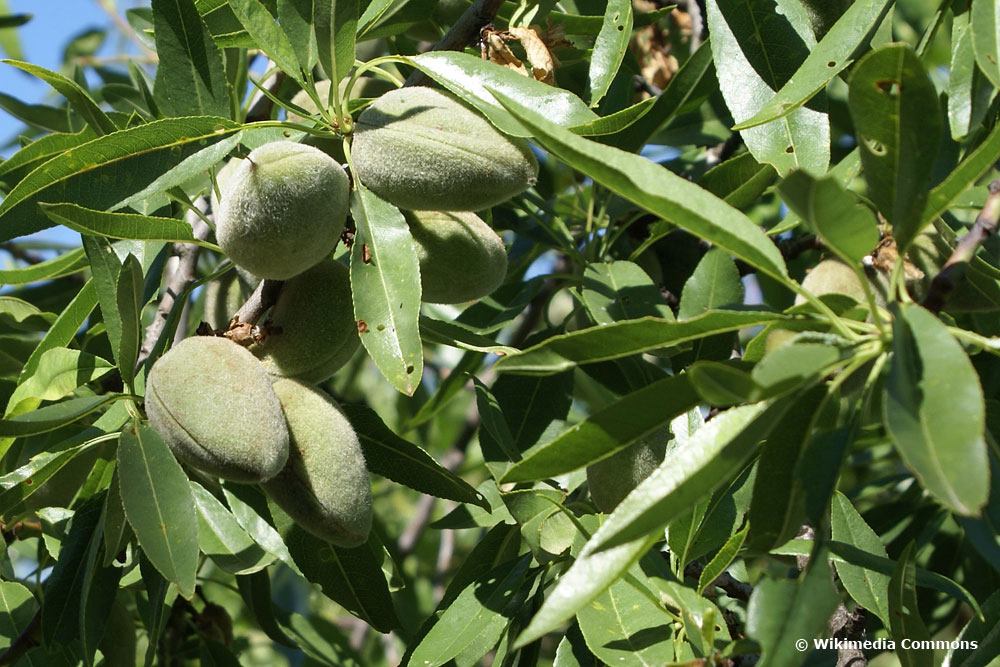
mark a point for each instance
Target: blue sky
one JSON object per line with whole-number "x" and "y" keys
{"x": 43, "y": 39}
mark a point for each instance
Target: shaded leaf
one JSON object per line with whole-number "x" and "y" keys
{"x": 983, "y": 633}
{"x": 17, "y": 607}
{"x": 636, "y": 415}
{"x": 405, "y": 463}
{"x": 335, "y": 23}
{"x": 54, "y": 416}
{"x": 969, "y": 92}
{"x": 985, "y": 22}
{"x": 221, "y": 538}
{"x": 616, "y": 291}
{"x": 159, "y": 505}
{"x": 904, "y": 613}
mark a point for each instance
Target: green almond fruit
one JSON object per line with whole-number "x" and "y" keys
{"x": 283, "y": 210}
{"x": 324, "y": 486}
{"x": 461, "y": 257}
{"x": 613, "y": 478}
{"x": 312, "y": 328}
{"x": 422, "y": 149}
{"x": 212, "y": 402}
{"x": 831, "y": 276}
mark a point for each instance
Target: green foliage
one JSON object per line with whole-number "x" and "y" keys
{"x": 619, "y": 409}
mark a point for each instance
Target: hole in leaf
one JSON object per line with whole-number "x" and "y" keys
{"x": 790, "y": 149}
{"x": 832, "y": 63}
{"x": 875, "y": 146}
{"x": 889, "y": 87}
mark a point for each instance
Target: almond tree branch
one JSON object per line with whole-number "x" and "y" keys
{"x": 178, "y": 279}
{"x": 954, "y": 269}
{"x": 462, "y": 34}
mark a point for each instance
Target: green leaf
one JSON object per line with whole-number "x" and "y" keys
{"x": 829, "y": 58}
{"x": 835, "y": 214}
{"x": 985, "y": 21}
{"x": 64, "y": 328}
{"x": 793, "y": 364}
{"x": 249, "y": 506}
{"x": 102, "y": 172}
{"x": 24, "y": 315}
{"x": 933, "y": 410}
{"x": 190, "y": 77}
{"x": 722, "y": 559}
{"x": 55, "y": 416}
{"x": 983, "y": 633}
{"x": 740, "y": 180}
{"x": 477, "y": 616}
{"x": 335, "y": 22}
{"x": 976, "y": 163}
{"x": 386, "y": 290}
{"x": 590, "y": 574}
{"x": 610, "y": 47}
{"x": 757, "y": 52}
{"x": 896, "y": 114}
{"x": 714, "y": 284}
{"x": 623, "y": 626}
{"x": 59, "y": 372}
{"x": 296, "y": 18}
{"x": 405, "y": 463}
{"x": 65, "y": 264}
{"x": 782, "y": 611}
{"x": 868, "y": 588}
{"x": 656, "y": 190}
{"x": 845, "y": 553}
{"x": 616, "y": 122}
{"x": 77, "y": 97}
{"x": 222, "y": 539}
{"x": 616, "y": 291}
{"x": 159, "y": 505}
{"x": 475, "y": 80}
{"x": 495, "y": 438}
{"x": 969, "y": 92}
{"x": 120, "y": 225}
{"x": 777, "y": 509}
{"x": 64, "y": 587}
{"x": 350, "y": 577}
{"x": 105, "y": 266}
{"x": 255, "y": 589}
{"x": 129, "y": 305}
{"x": 43, "y": 117}
{"x": 531, "y": 406}
{"x": 268, "y": 36}
{"x": 602, "y": 434}
{"x": 17, "y": 608}
{"x": 711, "y": 457}
{"x": 320, "y": 639}
{"x": 623, "y": 339}
{"x": 904, "y": 613}
{"x": 41, "y": 150}
{"x": 456, "y": 335}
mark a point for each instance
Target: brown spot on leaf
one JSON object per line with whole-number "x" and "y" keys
{"x": 362, "y": 326}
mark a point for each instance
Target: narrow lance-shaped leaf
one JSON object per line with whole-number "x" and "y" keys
{"x": 895, "y": 109}
{"x": 105, "y": 267}
{"x": 934, "y": 411}
{"x": 335, "y": 22}
{"x": 55, "y": 416}
{"x": 829, "y": 58}
{"x": 976, "y": 163}
{"x": 268, "y": 36}
{"x": 711, "y": 457}
{"x": 757, "y": 51}
{"x": 985, "y": 21}
{"x": 623, "y": 339}
{"x": 637, "y": 414}
{"x": 905, "y": 624}
{"x": 60, "y": 371}
{"x": 868, "y": 588}
{"x": 610, "y": 47}
{"x": 386, "y": 286}
{"x": 129, "y": 304}
{"x": 78, "y": 98}
{"x": 120, "y": 225}
{"x": 969, "y": 91}
{"x": 474, "y": 80}
{"x": 102, "y": 172}
{"x": 657, "y": 190}
{"x": 159, "y": 506}
{"x": 397, "y": 459}
{"x": 190, "y": 77}
{"x": 63, "y": 265}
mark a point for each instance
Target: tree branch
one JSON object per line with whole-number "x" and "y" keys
{"x": 954, "y": 269}
{"x": 178, "y": 280}
{"x": 462, "y": 34}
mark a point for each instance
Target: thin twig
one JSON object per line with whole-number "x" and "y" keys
{"x": 733, "y": 587}
{"x": 263, "y": 297}
{"x": 177, "y": 280}
{"x": 462, "y": 34}
{"x": 965, "y": 249}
